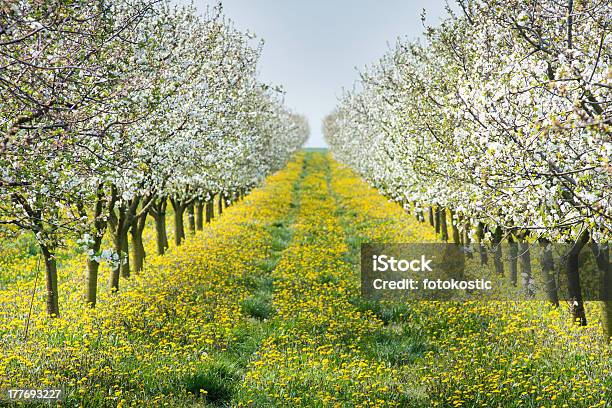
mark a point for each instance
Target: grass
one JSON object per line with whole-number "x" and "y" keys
{"x": 396, "y": 345}
{"x": 263, "y": 309}
{"x": 258, "y": 305}
{"x": 216, "y": 382}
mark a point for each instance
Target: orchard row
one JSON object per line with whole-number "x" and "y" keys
{"x": 113, "y": 109}
{"x": 500, "y": 118}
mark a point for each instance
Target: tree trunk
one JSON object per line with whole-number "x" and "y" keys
{"x": 220, "y": 204}
{"x": 456, "y": 235}
{"x": 179, "y": 227}
{"x": 100, "y": 225}
{"x": 115, "y": 223}
{"x": 116, "y": 269}
{"x": 497, "y": 251}
{"x": 51, "y": 279}
{"x": 466, "y": 239}
{"x": 513, "y": 259}
{"x": 121, "y": 246}
{"x": 138, "y": 251}
{"x": 158, "y": 212}
{"x": 437, "y": 220}
{"x": 421, "y": 215}
{"x": 525, "y": 264}
{"x": 160, "y": 225}
{"x": 548, "y": 271}
{"x": 125, "y": 249}
{"x": 210, "y": 210}
{"x": 443, "y": 227}
{"x": 482, "y": 250}
{"x": 573, "y": 281}
{"x": 200, "y": 215}
{"x": 92, "y": 274}
{"x": 191, "y": 218}
{"x": 120, "y": 226}
{"x": 159, "y": 215}
{"x": 431, "y": 216}
{"x": 164, "y": 230}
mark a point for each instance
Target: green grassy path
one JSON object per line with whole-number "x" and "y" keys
{"x": 219, "y": 382}
{"x": 324, "y": 349}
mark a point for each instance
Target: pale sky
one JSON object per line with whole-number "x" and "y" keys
{"x": 314, "y": 47}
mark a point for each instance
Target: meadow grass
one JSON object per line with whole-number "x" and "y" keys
{"x": 263, "y": 309}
